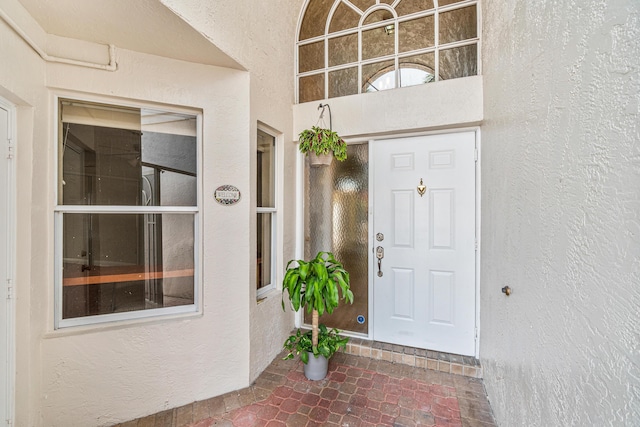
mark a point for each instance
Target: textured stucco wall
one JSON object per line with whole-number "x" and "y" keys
{"x": 261, "y": 36}
{"x": 101, "y": 375}
{"x": 21, "y": 83}
{"x": 561, "y": 212}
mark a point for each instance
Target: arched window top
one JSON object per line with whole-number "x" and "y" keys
{"x": 346, "y": 47}
{"x": 379, "y": 14}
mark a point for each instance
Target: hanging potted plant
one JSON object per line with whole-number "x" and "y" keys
{"x": 322, "y": 145}
{"x": 318, "y": 285}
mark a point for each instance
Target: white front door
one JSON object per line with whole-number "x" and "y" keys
{"x": 424, "y": 288}
{"x": 6, "y": 398}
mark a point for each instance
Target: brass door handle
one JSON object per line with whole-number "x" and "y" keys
{"x": 380, "y": 255}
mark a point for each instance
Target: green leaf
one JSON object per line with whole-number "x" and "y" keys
{"x": 296, "y": 298}
{"x": 310, "y": 290}
{"x": 303, "y": 269}
{"x": 324, "y": 350}
{"x": 318, "y": 302}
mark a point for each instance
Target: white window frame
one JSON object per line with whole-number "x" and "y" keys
{"x": 276, "y": 219}
{"x": 59, "y": 211}
{"x": 9, "y": 203}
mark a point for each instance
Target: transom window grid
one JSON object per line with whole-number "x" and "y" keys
{"x": 390, "y": 62}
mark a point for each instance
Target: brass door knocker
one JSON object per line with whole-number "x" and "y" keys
{"x": 421, "y": 188}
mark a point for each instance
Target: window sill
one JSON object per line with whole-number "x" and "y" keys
{"x": 265, "y": 296}
{"x": 121, "y": 324}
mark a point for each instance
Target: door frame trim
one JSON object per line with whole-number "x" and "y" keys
{"x": 10, "y": 261}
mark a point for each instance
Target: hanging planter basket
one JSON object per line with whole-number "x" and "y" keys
{"x": 322, "y": 144}
{"x": 317, "y": 160}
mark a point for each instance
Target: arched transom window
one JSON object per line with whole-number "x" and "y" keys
{"x": 347, "y": 47}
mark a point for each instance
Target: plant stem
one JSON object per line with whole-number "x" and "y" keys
{"x": 314, "y": 328}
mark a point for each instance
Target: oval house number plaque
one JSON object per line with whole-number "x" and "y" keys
{"x": 227, "y": 195}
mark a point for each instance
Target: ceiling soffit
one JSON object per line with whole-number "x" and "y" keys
{"x": 145, "y": 26}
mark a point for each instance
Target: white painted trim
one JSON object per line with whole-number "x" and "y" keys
{"x": 478, "y": 234}
{"x": 127, "y": 315}
{"x": 478, "y": 33}
{"x": 279, "y": 249}
{"x": 11, "y": 262}
{"x": 299, "y": 219}
{"x": 57, "y": 270}
{"x": 126, "y": 209}
{"x": 394, "y": 135}
{"x": 277, "y": 224}
{"x": 371, "y": 238}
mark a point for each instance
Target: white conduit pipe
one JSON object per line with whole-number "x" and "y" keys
{"x": 111, "y": 66}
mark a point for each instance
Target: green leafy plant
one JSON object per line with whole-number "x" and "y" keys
{"x": 322, "y": 141}
{"x": 318, "y": 285}
{"x": 329, "y": 341}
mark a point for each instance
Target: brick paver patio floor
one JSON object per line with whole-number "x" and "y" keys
{"x": 358, "y": 391}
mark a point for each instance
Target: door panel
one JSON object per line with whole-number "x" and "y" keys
{"x": 425, "y": 295}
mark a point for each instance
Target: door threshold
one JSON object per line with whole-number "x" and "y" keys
{"x": 467, "y": 366}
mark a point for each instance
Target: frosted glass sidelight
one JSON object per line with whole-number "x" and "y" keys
{"x": 336, "y": 220}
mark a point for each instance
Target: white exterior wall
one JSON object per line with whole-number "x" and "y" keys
{"x": 447, "y": 104}
{"x": 261, "y": 36}
{"x": 21, "y": 82}
{"x": 560, "y": 209}
{"x": 106, "y": 374}
{"x": 121, "y": 373}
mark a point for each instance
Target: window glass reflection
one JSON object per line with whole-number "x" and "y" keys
{"x": 122, "y": 262}
{"x": 122, "y": 157}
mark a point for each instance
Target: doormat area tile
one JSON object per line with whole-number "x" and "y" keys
{"x": 348, "y": 397}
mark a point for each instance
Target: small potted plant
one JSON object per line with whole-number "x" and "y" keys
{"x": 318, "y": 285}
{"x": 329, "y": 342}
{"x": 322, "y": 145}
